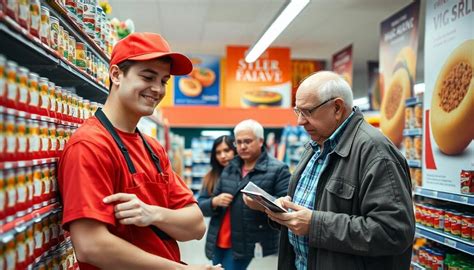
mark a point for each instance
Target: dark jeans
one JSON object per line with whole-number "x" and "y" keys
{"x": 224, "y": 257}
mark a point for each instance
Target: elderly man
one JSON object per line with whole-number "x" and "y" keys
{"x": 240, "y": 230}
{"x": 350, "y": 196}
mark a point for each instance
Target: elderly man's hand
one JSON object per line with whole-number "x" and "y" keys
{"x": 252, "y": 204}
{"x": 298, "y": 221}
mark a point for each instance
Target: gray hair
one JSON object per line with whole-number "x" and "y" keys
{"x": 337, "y": 87}
{"x": 249, "y": 124}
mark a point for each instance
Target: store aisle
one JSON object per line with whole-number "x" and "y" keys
{"x": 193, "y": 252}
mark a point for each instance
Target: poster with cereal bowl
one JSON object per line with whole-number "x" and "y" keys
{"x": 448, "y": 150}
{"x": 201, "y": 86}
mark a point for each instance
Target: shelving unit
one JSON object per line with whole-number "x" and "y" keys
{"x": 27, "y": 50}
{"x": 446, "y": 239}
{"x": 444, "y": 196}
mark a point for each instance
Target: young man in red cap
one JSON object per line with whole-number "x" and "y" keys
{"x": 123, "y": 205}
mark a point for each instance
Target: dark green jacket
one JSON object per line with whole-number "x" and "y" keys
{"x": 363, "y": 216}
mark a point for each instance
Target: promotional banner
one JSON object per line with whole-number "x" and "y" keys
{"x": 263, "y": 83}
{"x": 398, "y": 47}
{"x": 374, "y": 85}
{"x": 448, "y": 152}
{"x": 201, "y": 86}
{"x": 300, "y": 69}
{"x": 342, "y": 63}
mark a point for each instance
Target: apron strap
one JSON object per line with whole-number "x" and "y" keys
{"x": 156, "y": 159}
{"x": 110, "y": 128}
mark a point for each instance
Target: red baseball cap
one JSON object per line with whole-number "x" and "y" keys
{"x": 146, "y": 46}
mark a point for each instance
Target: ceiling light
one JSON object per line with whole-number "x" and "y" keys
{"x": 286, "y": 16}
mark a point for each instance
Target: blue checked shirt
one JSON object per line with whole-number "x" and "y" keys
{"x": 305, "y": 193}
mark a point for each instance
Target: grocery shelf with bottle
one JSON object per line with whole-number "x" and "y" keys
{"x": 201, "y": 155}
{"x": 53, "y": 76}
{"x": 291, "y": 146}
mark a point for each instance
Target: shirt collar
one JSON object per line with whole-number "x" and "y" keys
{"x": 332, "y": 141}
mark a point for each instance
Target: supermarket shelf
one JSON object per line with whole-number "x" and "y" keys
{"x": 10, "y": 111}
{"x": 410, "y": 102}
{"x": 413, "y": 132}
{"x": 26, "y": 163}
{"x": 414, "y": 163}
{"x": 445, "y": 196}
{"x": 72, "y": 27}
{"x": 445, "y": 239}
{"x": 18, "y": 45}
{"x": 8, "y": 230}
{"x": 417, "y": 266}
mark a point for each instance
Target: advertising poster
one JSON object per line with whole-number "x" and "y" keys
{"x": 342, "y": 63}
{"x": 398, "y": 48}
{"x": 201, "y": 86}
{"x": 300, "y": 69}
{"x": 374, "y": 85}
{"x": 448, "y": 150}
{"x": 263, "y": 83}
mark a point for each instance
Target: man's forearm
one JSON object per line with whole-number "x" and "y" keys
{"x": 98, "y": 247}
{"x": 182, "y": 224}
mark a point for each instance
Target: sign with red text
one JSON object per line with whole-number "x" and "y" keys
{"x": 263, "y": 83}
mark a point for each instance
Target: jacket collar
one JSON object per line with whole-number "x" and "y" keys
{"x": 345, "y": 142}
{"x": 260, "y": 165}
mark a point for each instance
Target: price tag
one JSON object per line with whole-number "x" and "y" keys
{"x": 463, "y": 199}
{"x": 450, "y": 243}
{"x": 431, "y": 193}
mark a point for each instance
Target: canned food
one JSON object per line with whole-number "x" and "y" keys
{"x": 467, "y": 179}
{"x": 35, "y": 17}
{"x": 98, "y": 24}
{"x": 46, "y": 183}
{"x": 408, "y": 143}
{"x": 22, "y": 138}
{"x": 11, "y": 196}
{"x": 52, "y": 99}
{"x": 39, "y": 238}
{"x": 12, "y": 87}
{"x": 71, "y": 6}
{"x": 418, "y": 177}
{"x": 45, "y": 142}
{"x": 22, "y": 192}
{"x": 53, "y": 137}
{"x": 58, "y": 93}
{"x": 34, "y": 139}
{"x": 12, "y": 9}
{"x": 418, "y": 144}
{"x": 409, "y": 117}
{"x": 66, "y": 44}
{"x": 438, "y": 218}
{"x": 21, "y": 252}
{"x": 34, "y": 104}
{"x": 467, "y": 223}
{"x": 3, "y": 75}
{"x": 44, "y": 95}
{"x": 3, "y": 143}
{"x": 23, "y": 97}
{"x": 456, "y": 218}
{"x": 89, "y": 17}
{"x": 23, "y": 13}
{"x": 29, "y": 185}
{"x": 418, "y": 116}
{"x": 72, "y": 50}
{"x": 81, "y": 56}
{"x": 61, "y": 41}
{"x": 45, "y": 26}
{"x": 38, "y": 187}
{"x": 54, "y": 34}
{"x": 10, "y": 138}
{"x": 30, "y": 243}
{"x": 80, "y": 13}
{"x": 447, "y": 220}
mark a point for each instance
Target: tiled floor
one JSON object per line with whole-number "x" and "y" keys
{"x": 192, "y": 252}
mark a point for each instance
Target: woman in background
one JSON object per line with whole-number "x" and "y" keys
{"x": 223, "y": 151}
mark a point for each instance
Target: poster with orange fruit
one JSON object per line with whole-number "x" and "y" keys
{"x": 398, "y": 48}
{"x": 263, "y": 83}
{"x": 342, "y": 63}
{"x": 201, "y": 86}
{"x": 448, "y": 133}
{"x": 300, "y": 69}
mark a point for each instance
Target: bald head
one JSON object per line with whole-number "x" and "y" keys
{"x": 325, "y": 85}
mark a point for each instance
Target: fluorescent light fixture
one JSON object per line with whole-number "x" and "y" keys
{"x": 419, "y": 88}
{"x": 214, "y": 133}
{"x": 286, "y": 16}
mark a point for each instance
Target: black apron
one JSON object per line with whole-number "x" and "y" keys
{"x": 131, "y": 168}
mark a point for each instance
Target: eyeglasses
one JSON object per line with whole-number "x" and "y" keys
{"x": 245, "y": 142}
{"x": 308, "y": 112}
